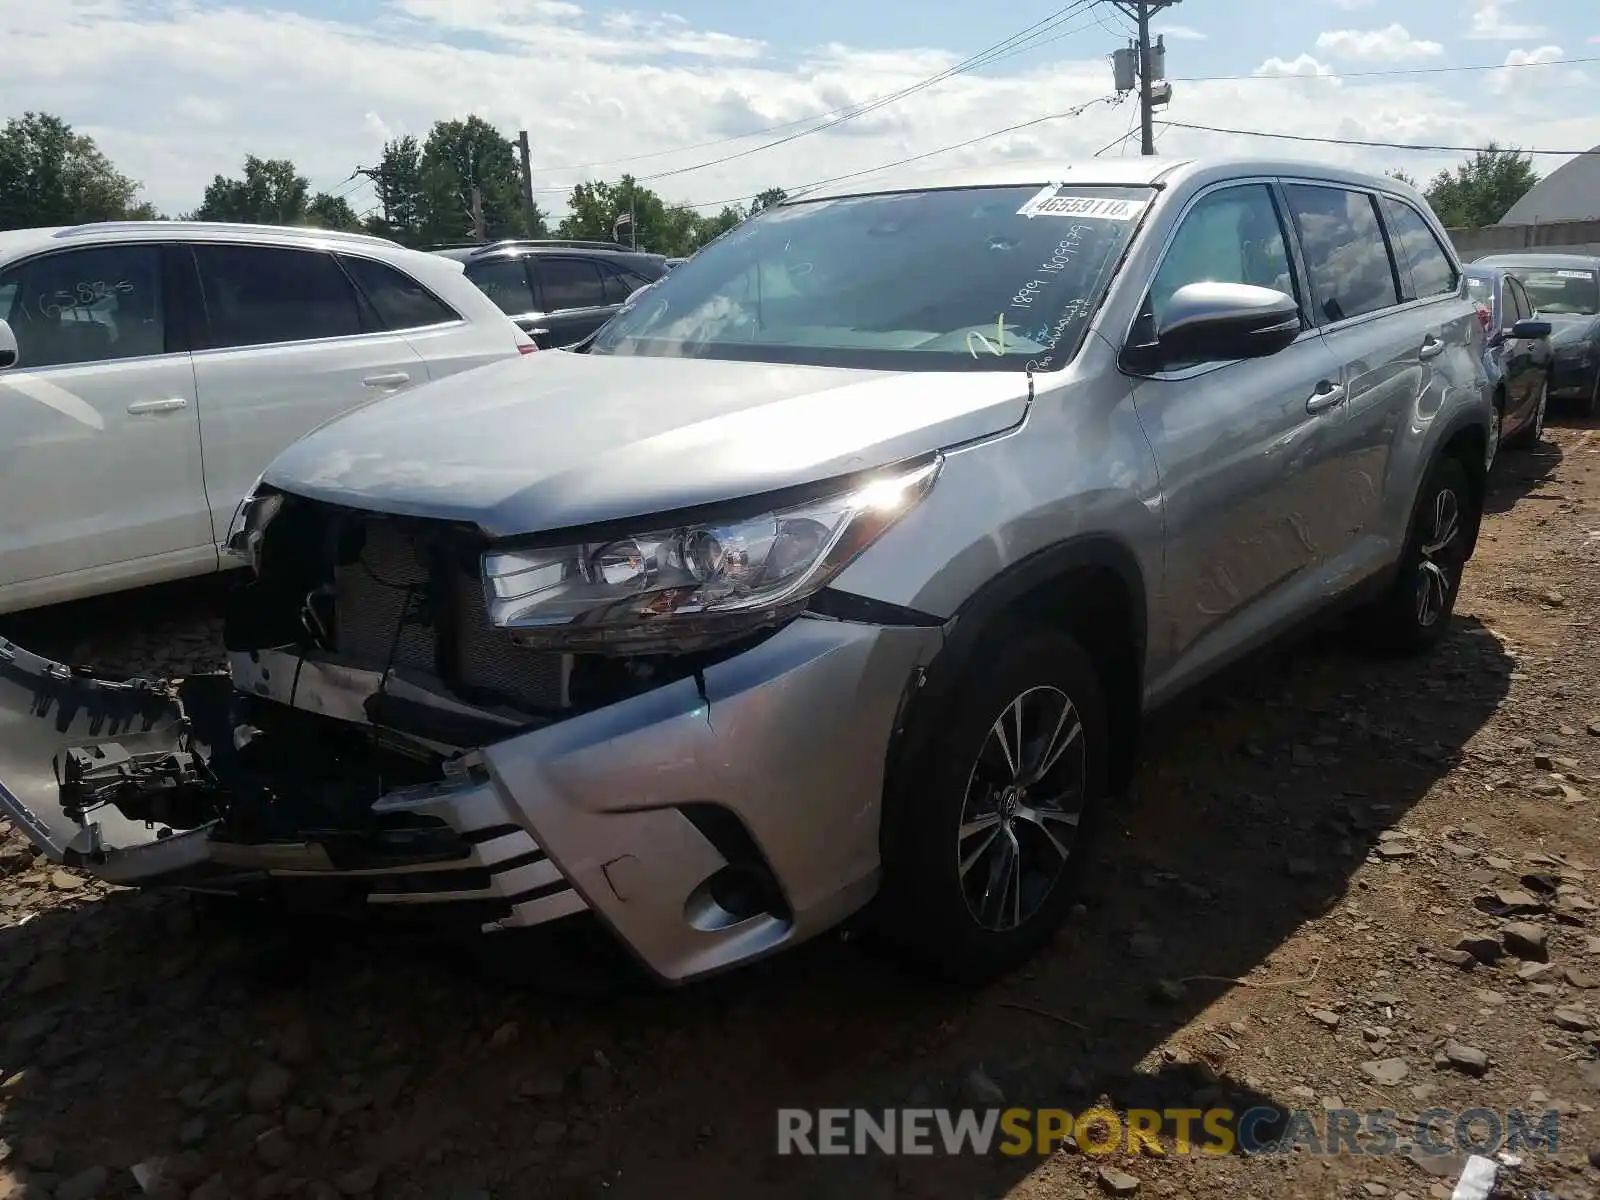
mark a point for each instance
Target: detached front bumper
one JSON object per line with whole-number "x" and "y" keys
{"x": 707, "y": 822}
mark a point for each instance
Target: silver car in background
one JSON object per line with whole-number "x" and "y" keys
{"x": 836, "y": 573}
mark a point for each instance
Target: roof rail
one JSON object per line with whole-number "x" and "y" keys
{"x": 341, "y": 235}
{"x": 566, "y": 243}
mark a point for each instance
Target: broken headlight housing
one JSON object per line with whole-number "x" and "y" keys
{"x": 250, "y": 521}
{"x": 673, "y": 588}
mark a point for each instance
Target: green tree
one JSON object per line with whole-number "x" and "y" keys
{"x": 767, "y": 199}
{"x": 459, "y": 158}
{"x": 50, "y": 175}
{"x": 1482, "y": 189}
{"x": 331, "y": 212}
{"x": 1403, "y": 177}
{"x": 271, "y": 192}
{"x": 671, "y": 229}
{"x": 398, "y": 181}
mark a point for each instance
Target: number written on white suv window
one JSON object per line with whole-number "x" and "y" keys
{"x": 85, "y": 306}
{"x": 260, "y": 295}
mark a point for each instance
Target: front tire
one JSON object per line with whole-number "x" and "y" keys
{"x": 982, "y": 840}
{"x": 1415, "y": 612}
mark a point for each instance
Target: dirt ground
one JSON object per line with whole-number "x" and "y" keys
{"x": 1273, "y": 921}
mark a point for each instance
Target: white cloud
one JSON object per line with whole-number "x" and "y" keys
{"x": 645, "y": 93}
{"x": 1393, "y": 43}
{"x": 1490, "y": 22}
{"x": 1505, "y": 80}
{"x": 1179, "y": 33}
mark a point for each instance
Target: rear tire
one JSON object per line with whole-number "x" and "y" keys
{"x": 983, "y": 838}
{"x": 1415, "y": 612}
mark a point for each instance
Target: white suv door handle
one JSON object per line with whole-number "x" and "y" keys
{"x": 1432, "y": 347}
{"x": 1326, "y": 396}
{"x": 144, "y": 407}
{"x": 394, "y": 379}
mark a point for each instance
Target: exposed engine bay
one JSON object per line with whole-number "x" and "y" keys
{"x": 363, "y": 677}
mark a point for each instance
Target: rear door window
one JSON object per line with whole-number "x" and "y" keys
{"x": 262, "y": 295}
{"x": 399, "y": 301}
{"x": 1346, "y": 256}
{"x": 570, "y": 283}
{"x": 505, "y": 281}
{"x": 1432, "y": 272}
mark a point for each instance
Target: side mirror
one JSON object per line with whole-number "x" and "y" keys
{"x": 8, "y": 346}
{"x": 1218, "y": 322}
{"x": 1531, "y": 327}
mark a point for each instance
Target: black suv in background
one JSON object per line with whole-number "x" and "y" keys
{"x": 558, "y": 292}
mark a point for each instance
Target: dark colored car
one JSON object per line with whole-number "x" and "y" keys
{"x": 1565, "y": 290}
{"x": 558, "y": 292}
{"x": 1516, "y": 353}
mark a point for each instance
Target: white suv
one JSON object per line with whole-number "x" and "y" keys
{"x": 149, "y": 371}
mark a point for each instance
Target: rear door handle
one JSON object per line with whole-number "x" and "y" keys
{"x": 1327, "y": 396}
{"x": 537, "y": 332}
{"x": 1432, "y": 347}
{"x": 394, "y": 379}
{"x": 144, "y": 407}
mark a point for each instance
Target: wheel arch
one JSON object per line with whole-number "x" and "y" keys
{"x": 1086, "y": 584}
{"x": 1467, "y": 441}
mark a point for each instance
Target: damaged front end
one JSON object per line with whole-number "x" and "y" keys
{"x": 400, "y": 725}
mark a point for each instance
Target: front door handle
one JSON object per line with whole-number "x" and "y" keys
{"x": 1327, "y": 396}
{"x": 538, "y": 333}
{"x": 394, "y": 379}
{"x": 1432, "y": 347}
{"x": 145, "y": 407}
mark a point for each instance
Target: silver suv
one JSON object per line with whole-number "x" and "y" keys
{"x": 841, "y": 568}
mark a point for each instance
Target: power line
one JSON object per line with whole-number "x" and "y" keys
{"x": 878, "y": 101}
{"x": 985, "y": 57}
{"x": 982, "y": 137}
{"x": 1329, "y": 141}
{"x": 1388, "y": 72}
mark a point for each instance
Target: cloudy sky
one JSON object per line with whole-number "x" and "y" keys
{"x": 179, "y": 90}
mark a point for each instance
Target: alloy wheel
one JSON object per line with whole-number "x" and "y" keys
{"x": 1020, "y": 813}
{"x": 1538, "y": 410}
{"x": 1439, "y": 557}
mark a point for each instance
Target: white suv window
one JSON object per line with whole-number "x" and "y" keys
{"x": 1346, "y": 257}
{"x": 259, "y": 295}
{"x": 82, "y": 306}
{"x": 398, "y": 300}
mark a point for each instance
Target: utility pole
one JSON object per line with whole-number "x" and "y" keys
{"x": 526, "y": 151}
{"x": 1149, "y": 75}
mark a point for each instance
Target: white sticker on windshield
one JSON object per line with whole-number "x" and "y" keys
{"x": 1572, "y": 275}
{"x": 1048, "y": 204}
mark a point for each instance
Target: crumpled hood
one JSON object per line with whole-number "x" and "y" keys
{"x": 555, "y": 439}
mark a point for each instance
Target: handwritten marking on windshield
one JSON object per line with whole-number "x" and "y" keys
{"x": 996, "y": 347}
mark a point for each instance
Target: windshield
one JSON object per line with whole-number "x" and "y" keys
{"x": 984, "y": 279}
{"x": 1560, "y": 290}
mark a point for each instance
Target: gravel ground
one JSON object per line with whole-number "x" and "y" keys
{"x": 1340, "y": 882}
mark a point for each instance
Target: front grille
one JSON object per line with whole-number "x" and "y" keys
{"x": 383, "y": 603}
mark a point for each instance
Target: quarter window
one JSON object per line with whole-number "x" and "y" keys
{"x": 399, "y": 300}
{"x": 260, "y": 295}
{"x": 1521, "y": 307}
{"x": 505, "y": 281}
{"x": 92, "y": 305}
{"x": 1351, "y": 273}
{"x": 1230, "y": 236}
{"x": 570, "y": 283}
{"x": 1432, "y": 272}
{"x": 620, "y": 284}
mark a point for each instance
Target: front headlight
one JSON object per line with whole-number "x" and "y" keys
{"x": 250, "y": 522}
{"x": 670, "y": 587}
